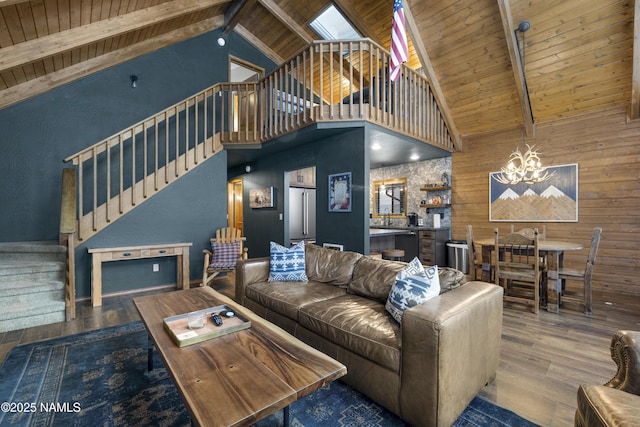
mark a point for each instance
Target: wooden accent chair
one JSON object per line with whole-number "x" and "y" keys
{"x": 518, "y": 268}
{"x": 585, "y": 276}
{"x": 475, "y": 261}
{"x": 226, "y": 249}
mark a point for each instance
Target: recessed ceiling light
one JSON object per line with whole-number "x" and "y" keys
{"x": 376, "y": 146}
{"x": 414, "y": 157}
{"x": 221, "y": 41}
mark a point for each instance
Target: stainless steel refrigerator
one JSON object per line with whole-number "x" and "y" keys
{"x": 302, "y": 214}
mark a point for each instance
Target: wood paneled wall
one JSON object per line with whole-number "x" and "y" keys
{"x": 607, "y": 149}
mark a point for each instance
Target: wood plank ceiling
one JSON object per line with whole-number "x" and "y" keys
{"x": 579, "y": 53}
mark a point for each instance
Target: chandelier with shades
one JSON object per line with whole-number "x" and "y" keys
{"x": 524, "y": 166}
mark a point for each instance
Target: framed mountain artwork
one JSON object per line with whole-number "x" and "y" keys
{"x": 554, "y": 200}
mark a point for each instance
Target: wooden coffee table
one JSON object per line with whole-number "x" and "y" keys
{"x": 239, "y": 378}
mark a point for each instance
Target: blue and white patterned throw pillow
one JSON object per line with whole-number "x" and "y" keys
{"x": 287, "y": 264}
{"x": 411, "y": 269}
{"x": 411, "y": 291}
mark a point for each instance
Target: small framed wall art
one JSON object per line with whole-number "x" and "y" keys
{"x": 261, "y": 198}
{"x": 340, "y": 192}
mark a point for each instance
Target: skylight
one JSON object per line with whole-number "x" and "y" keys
{"x": 332, "y": 25}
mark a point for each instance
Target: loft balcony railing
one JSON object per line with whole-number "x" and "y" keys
{"x": 345, "y": 81}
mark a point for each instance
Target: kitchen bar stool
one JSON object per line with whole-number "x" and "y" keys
{"x": 393, "y": 254}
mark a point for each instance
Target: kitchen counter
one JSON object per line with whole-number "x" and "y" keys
{"x": 427, "y": 243}
{"x": 378, "y": 232}
{"x": 391, "y": 229}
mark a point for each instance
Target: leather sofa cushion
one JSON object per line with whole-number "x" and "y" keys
{"x": 373, "y": 278}
{"x": 606, "y": 406}
{"x": 330, "y": 266}
{"x": 287, "y": 297}
{"x": 358, "y": 324}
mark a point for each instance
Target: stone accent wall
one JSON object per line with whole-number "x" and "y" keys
{"x": 418, "y": 174}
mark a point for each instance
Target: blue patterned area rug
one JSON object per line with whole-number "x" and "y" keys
{"x": 101, "y": 378}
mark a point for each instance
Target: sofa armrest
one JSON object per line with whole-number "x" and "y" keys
{"x": 625, "y": 351}
{"x": 602, "y": 406}
{"x": 450, "y": 350}
{"x": 250, "y": 271}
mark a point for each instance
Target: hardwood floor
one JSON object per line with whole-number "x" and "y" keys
{"x": 543, "y": 358}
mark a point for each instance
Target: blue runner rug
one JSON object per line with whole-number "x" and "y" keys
{"x": 101, "y": 378}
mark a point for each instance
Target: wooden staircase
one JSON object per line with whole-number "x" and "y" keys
{"x": 32, "y": 284}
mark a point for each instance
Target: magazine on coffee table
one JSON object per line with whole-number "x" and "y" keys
{"x": 197, "y": 326}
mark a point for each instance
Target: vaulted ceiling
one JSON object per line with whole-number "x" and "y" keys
{"x": 579, "y": 54}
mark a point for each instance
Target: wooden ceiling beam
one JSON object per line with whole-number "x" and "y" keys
{"x": 262, "y": 46}
{"x": 235, "y": 12}
{"x": 66, "y": 75}
{"x": 299, "y": 31}
{"x": 421, "y": 51}
{"x": 286, "y": 19}
{"x": 4, "y": 3}
{"x": 517, "y": 66}
{"x": 65, "y": 41}
{"x": 634, "y": 109}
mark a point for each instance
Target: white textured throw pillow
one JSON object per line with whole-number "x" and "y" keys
{"x": 413, "y": 268}
{"x": 411, "y": 291}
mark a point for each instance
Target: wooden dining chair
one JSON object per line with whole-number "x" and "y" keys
{"x": 583, "y": 296}
{"x": 226, "y": 249}
{"x": 518, "y": 268}
{"x": 475, "y": 259}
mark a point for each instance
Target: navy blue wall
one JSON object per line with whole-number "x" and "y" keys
{"x": 37, "y": 134}
{"x": 342, "y": 152}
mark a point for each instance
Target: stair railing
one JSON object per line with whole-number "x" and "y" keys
{"x": 121, "y": 171}
{"x": 66, "y": 238}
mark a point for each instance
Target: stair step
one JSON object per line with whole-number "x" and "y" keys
{"x": 14, "y": 318}
{"x": 14, "y": 274}
{"x": 30, "y": 288}
{"x": 32, "y": 251}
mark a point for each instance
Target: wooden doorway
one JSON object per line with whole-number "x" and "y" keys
{"x": 234, "y": 204}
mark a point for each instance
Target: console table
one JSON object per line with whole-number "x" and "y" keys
{"x": 100, "y": 255}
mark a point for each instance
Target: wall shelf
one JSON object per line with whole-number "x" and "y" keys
{"x": 448, "y": 205}
{"x": 440, "y": 188}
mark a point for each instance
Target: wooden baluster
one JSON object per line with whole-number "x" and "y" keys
{"x": 133, "y": 167}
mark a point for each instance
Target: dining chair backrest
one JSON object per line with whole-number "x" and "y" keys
{"x": 565, "y": 274}
{"x": 593, "y": 250}
{"x": 542, "y": 235}
{"x": 473, "y": 257}
{"x": 517, "y": 259}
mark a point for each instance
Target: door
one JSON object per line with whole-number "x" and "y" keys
{"x": 234, "y": 205}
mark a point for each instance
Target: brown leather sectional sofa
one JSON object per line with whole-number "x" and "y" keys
{"x": 425, "y": 370}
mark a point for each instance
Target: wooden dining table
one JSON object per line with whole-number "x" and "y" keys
{"x": 553, "y": 252}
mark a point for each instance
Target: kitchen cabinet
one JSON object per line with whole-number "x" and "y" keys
{"x": 305, "y": 178}
{"x": 410, "y": 244}
{"x": 433, "y": 247}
